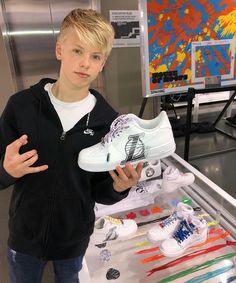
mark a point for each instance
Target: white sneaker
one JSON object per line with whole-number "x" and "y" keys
{"x": 108, "y": 228}
{"x": 166, "y": 228}
{"x": 191, "y": 231}
{"x": 174, "y": 179}
{"x": 130, "y": 139}
{"x": 143, "y": 194}
{"x": 151, "y": 170}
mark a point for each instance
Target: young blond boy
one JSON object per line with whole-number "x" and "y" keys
{"x": 42, "y": 130}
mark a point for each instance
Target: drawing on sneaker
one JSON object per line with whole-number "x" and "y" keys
{"x": 151, "y": 170}
{"x": 130, "y": 139}
{"x": 111, "y": 234}
{"x": 134, "y": 149}
{"x": 191, "y": 231}
{"x": 109, "y": 229}
{"x": 174, "y": 179}
{"x": 167, "y": 227}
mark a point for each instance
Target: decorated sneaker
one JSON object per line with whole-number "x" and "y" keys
{"x": 143, "y": 194}
{"x": 130, "y": 139}
{"x": 166, "y": 228}
{"x": 108, "y": 229}
{"x": 151, "y": 170}
{"x": 174, "y": 179}
{"x": 191, "y": 231}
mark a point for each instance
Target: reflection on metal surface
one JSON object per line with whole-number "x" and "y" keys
{"x": 31, "y": 30}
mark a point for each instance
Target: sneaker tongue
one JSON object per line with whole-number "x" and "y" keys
{"x": 182, "y": 210}
{"x": 172, "y": 173}
{"x": 112, "y": 221}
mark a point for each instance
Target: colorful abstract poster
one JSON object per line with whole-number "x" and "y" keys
{"x": 186, "y": 41}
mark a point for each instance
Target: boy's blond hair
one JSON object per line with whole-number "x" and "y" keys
{"x": 92, "y": 29}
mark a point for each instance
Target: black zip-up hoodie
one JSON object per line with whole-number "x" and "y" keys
{"x": 51, "y": 213}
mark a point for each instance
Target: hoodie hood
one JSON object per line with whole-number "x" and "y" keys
{"x": 101, "y": 114}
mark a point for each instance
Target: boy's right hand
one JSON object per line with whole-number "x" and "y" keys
{"x": 18, "y": 165}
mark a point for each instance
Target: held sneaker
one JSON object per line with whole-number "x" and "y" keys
{"x": 108, "y": 228}
{"x": 130, "y": 139}
{"x": 166, "y": 228}
{"x": 173, "y": 179}
{"x": 151, "y": 170}
{"x": 191, "y": 231}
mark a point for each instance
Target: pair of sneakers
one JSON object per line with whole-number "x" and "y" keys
{"x": 179, "y": 231}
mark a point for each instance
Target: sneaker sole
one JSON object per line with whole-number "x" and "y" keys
{"x": 162, "y": 153}
{"x": 178, "y": 253}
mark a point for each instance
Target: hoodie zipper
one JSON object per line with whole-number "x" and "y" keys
{"x": 63, "y": 136}
{"x": 51, "y": 212}
{"x": 51, "y": 208}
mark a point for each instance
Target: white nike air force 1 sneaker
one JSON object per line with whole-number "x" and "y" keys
{"x": 174, "y": 179}
{"x": 108, "y": 228}
{"x": 167, "y": 227}
{"x": 130, "y": 139}
{"x": 190, "y": 232}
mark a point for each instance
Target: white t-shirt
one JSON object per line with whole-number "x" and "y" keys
{"x": 71, "y": 112}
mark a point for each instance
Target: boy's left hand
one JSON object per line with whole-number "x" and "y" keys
{"x": 126, "y": 177}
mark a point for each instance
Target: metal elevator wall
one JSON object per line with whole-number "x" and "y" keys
{"x": 31, "y": 28}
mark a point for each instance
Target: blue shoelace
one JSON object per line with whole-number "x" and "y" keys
{"x": 185, "y": 229}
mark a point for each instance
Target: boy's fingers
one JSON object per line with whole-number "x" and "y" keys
{"x": 36, "y": 169}
{"x": 27, "y": 155}
{"x": 139, "y": 168}
{"x": 113, "y": 175}
{"x": 29, "y": 162}
{"x": 121, "y": 173}
{"x": 23, "y": 139}
{"x": 133, "y": 172}
{"x": 15, "y": 146}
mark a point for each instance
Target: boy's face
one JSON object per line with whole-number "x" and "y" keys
{"x": 80, "y": 64}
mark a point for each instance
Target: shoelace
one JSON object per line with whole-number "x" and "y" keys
{"x": 197, "y": 268}
{"x": 114, "y": 221}
{"x": 117, "y": 126}
{"x": 184, "y": 231}
{"x": 209, "y": 240}
{"x": 191, "y": 256}
{"x": 168, "y": 221}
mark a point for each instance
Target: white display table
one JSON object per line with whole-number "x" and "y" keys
{"x": 217, "y": 207}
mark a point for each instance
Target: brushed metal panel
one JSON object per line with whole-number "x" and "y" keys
{"x": 31, "y": 28}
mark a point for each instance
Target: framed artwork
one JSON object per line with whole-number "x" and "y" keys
{"x": 187, "y": 43}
